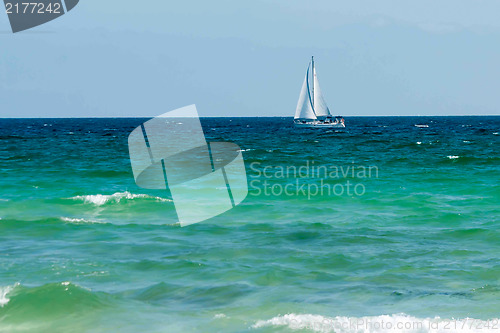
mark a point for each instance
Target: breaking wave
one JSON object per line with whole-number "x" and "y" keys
{"x": 78, "y": 220}
{"x": 378, "y": 324}
{"x": 4, "y": 292}
{"x": 101, "y": 199}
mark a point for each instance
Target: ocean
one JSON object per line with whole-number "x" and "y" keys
{"x": 382, "y": 227}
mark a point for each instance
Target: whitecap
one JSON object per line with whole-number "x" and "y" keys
{"x": 496, "y": 133}
{"x": 4, "y": 291}
{"x": 453, "y": 157}
{"x": 379, "y": 324}
{"x": 77, "y": 220}
{"x": 220, "y": 316}
{"x": 101, "y": 199}
{"x": 419, "y": 143}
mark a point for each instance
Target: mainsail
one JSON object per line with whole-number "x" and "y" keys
{"x": 304, "y": 107}
{"x": 311, "y": 105}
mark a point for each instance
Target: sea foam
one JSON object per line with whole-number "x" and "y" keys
{"x": 78, "y": 220}
{"x": 101, "y": 199}
{"x": 4, "y": 291}
{"x": 378, "y": 324}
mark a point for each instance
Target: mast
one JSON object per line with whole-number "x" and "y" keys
{"x": 312, "y": 81}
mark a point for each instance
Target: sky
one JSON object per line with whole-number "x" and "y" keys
{"x": 123, "y": 58}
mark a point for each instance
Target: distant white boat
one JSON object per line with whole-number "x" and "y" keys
{"x": 312, "y": 110}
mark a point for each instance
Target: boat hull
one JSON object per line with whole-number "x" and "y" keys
{"x": 319, "y": 124}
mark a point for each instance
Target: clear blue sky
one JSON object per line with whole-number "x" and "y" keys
{"x": 248, "y": 58}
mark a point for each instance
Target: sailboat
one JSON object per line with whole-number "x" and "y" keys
{"x": 312, "y": 110}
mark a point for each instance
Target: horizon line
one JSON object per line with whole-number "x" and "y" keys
{"x": 357, "y": 116}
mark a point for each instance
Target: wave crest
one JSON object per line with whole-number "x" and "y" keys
{"x": 78, "y": 220}
{"x": 379, "y": 324}
{"x": 4, "y": 291}
{"x": 101, "y": 199}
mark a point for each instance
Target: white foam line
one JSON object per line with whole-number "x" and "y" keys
{"x": 380, "y": 324}
{"x": 101, "y": 199}
{"x": 77, "y": 220}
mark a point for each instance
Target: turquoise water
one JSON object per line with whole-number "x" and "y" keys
{"x": 83, "y": 249}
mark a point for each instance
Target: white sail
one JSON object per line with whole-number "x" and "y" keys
{"x": 312, "y": 110}
{"x": 304, "y": 108}
{"x": 320, "y": 107}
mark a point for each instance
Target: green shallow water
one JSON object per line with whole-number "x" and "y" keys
{"x": 83, "y": 249}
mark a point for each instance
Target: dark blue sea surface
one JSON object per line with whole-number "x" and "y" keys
{"x": 382, "y": 221}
